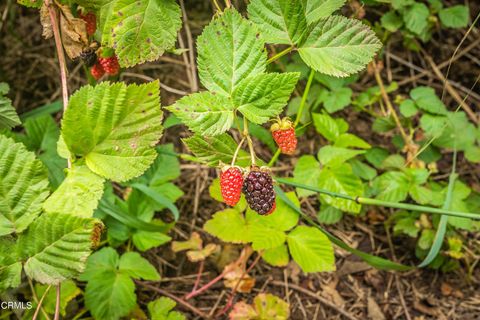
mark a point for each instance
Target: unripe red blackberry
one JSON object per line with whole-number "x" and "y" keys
{"x": 90, "y": 21}
{"x": 284, "y": 135}
{"x": 258, "y": 190}
{"x": 97, "y": 71}
{"x": 231, "y": 181}
{"x": 109, "y": 64}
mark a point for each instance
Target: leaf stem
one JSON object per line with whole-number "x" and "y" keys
{"x": 237, "y": 151}
{"x": 280, "y": 54}
{"x": 57, "y": 303}
{"x": 376, "y": 202}
{"x": 249, "y": 140}
{"x": 304, "y": 97}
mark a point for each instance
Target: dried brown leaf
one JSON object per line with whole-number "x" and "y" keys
{"x": 73, "y": 31}
{"x": 194, "y": 243}
{"x": 46, "y": 22}
{"x": 200, "y": 255}
{"x": 374, "y": 311}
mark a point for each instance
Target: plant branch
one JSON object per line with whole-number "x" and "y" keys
{"x": 35, "y": 298}
{"x": 57, "y": 304}
{"x": 280, "y": 54}
{"x": 375, "y": 202}
{"x": 235, "y": 155}
{"x": 39, "y": 304}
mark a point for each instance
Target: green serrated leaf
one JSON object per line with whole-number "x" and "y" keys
{"x": 408, "y": 108}
{"x": 320, "y": 9}
{"x": 139, "y": 31}
{"x": 229, "y": 225}
{"x": 339, "y": 46}
{"x": 329, "y": 215}
{"x": 455, "y": 16}
{"x": 341, "y": 180}
{"x": 346, "y": 140}
{"x": 114, "y": 126}
{"x": 262, "y": 97}
{"x": 415, "y": 18}
{"x": 277, "y": 257}
{"x": 110, "y": 296}
{"x": 393, "y": 186}
{"x": 281, "y": 21}
{"x": 229, "y": 50}
{"x": 8, "y": 115}
{"x": 205, "y": 113}
{"x": 307, "y": 171}
{"x": 161, "y": 309}
{"x": 331, "y": 156}
{"x": 426, "y": 99}
{"x": 23, "y": 186}
{"x": 212, "y": 150}
{"x": 311, "y": 249}
{"x": 133, "y": 264}
{"x": 391, "y": 21}
{"x": 337, "y": 99}
{"x": 56, "y": 246}
{"x": 78, "y": 194}
{"x": 326, "y": 126}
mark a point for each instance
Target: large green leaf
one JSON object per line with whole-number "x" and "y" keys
{"x": 426, "y": 99}
{"x": 392, "y": 186}
{"x": 307, "y": 171}
{"x": 23, "y": 186}
{"x": 229, "y": 50}
{"x": 282, "y": 21}
{"x": 212, "y": 150}
{"x": 455, "y": 16}
{"x": 10, "y": 267}
{"x": 205, "y": 113}
{"x": 320, "y": 9}
{"x": 339, "y": 46}
{"x": 341, "y": 179}
{"x": 332, "y": 156}
{"x": 416, "y": 18}
{"x": 78, "y": 194}
{"x": 326, "y": 126}
{"x": 8, "y": 114}
{"x": 229, "y": 225}
{"x": 56, "y": 246}
{"x": 311, "y": 249}
{"x": 133, "y": 264}
{"x": 262, "y": 97}
{"x": 139, "y": 31}
{"x": 115, "y": 127}
{"x": 161, "y": 309}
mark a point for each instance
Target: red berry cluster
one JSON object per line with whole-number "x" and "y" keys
{"x": 107, "y": 65}
{"x": 256, "y": 184}
{"x": 91, "y": 22}
{"x": 284, "y": 135}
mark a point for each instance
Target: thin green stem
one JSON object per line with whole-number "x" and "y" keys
{"x": 280, "y": 54}
{"x": 299, "y": 113}
{"x": 304, "y": 97}
{"x": 246, "y": 135}
{"x": 236, "y": 151}
{"x": 375, "y": 202}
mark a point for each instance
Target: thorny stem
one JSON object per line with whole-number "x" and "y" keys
{"x": 53, "y": 12}
{"x": 375, "y": 202}
{"x": 280, "y": 54}
{"x": 196, "y": 292}
{"x": 199, "y": 275}
{"x": 299, "y": 113}
{"x": 237, "y": 151}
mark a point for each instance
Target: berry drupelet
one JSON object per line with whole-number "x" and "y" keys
{"x": 258, "y": 190}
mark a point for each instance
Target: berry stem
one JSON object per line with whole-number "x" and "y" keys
{"x": 299, "y": 113}
{"x": 249, "y": 140}
{"x": 236, "y": 151}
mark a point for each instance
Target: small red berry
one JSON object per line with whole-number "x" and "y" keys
{"x": 110, "y": 65}
{"x": 91, "y": 22}
{"x": 284, "y": 135}
{"x": 231, "y": 182}
{"x": 97, "y": 71}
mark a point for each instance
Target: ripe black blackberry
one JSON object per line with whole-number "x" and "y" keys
{"x": 258, "y": 190}
{"x": 89, "y": 57}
